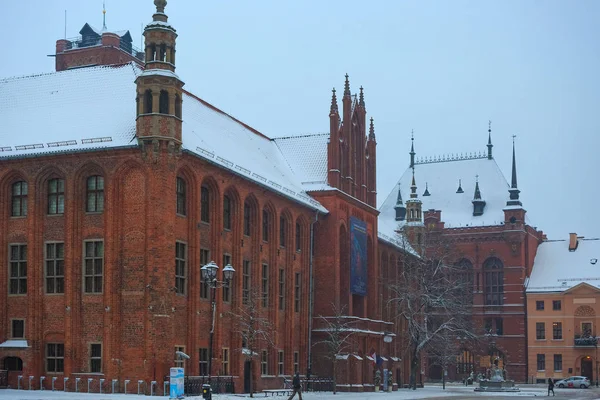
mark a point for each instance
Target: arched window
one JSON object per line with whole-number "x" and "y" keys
{"x": 265, "y": 225}
{"x": 494, "y": 281}
{"x": 204, "y": 204}
{"x": 152, "y": 55}
{"x": 163, "y": 102}
{"x": 298, "y": 236}
{"x": 13, "y": 364}
{"x": 19, "y": 199}
{"x": 177, "y": 106}
{"x": 226, "y": 213}
{"x": 247, "y": 218}
{"x": 163, "y": 53}
{"x": 148, "y": 102}
{"x": 181, "y": 196}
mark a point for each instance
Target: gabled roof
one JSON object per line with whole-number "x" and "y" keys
{"x": 91, "y": 108}
{"x": 556, "y": 269}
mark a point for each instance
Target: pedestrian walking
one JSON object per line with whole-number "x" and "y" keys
{"x": 297, "y": 387}
{"x": 550, "y": 386}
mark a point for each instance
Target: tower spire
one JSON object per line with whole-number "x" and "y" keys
{"x": 514, "y": 191}
{"x": 103, "y": 16}
{"x": 412, "y": 150}
{"x": 399, "y": 207}
{"x": 490, "y": 145}
{"x": 371, "y": 130}
{"x": 361, "y": 98}
{"x": 347, "y": 87}
{"x": 413, "y": 186}
{"x": 334, "y": 105}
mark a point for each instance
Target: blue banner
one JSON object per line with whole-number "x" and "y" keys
{"x": 358, "y": 257}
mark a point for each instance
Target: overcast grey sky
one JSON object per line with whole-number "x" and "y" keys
{"x": 442, "y": 68}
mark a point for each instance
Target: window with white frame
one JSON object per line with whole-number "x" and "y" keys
{"x": 225, "y": 361}
{"x": 264, "y": 363}
{"x": 93, "y": 265}
{"x": 56, "y": 196}
{"x": 96, "y": 357}
{"x": 296, "y": 362}
{"x": 55, "y": 357}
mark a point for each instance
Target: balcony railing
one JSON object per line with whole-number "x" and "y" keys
{"x": 585, "y": 339}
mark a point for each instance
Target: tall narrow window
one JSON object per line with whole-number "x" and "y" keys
{"x": 557, "y": 362}
{"x": 181, "y": 196}
{"x": 148, "y": 102}
{"x": 499, "y": 327}
{"x": 280, "y": 362}
{"x": 56, "y": 196}
{"x": 226, "y": 213}
{"x": 541, "y": 362}
{"x": 464, "y": 269}
{"x": 93, "y": 266}
{"x": 225, "y": 362}
{"x": 297, "y": 292}
{"x": 227, "y": 288}
{"x": 18, "y": 269}
{"x": 55, "y": 268}
{"x": 246, "y": 282}
{"x": 282, "y": 228}
{"x": 18, "y": 329}
{"x": 96, "y": 357}
{"x": 540, "y": 330}
{"x": 556, "y": 305}
{"x": 179, "y": 362}
{"x": 180, "y": 267}
{"x": 298, "y": 237}
{"x": 296, "y": 362}
{"x": 204, "y": 259}
{"x": 281, "y": 289}
{"x": 204, "y": 204}
{"x": 19, "y": 199}
{"x": 55, "y": 357}
{"x": 247, "y": 217}
{"x": 95, "y": 194}
{"x": 203, "y": 361}
{"x": 264, "y": 363}
{"x": 557, "y": 330}
{"x": 265, "y": 226}
{"x": 265, "y": 285}
{"x": 163, "y": 102}
{"x": 494, "y": 281}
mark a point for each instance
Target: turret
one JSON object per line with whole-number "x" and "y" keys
{"x": 334, "y": 145}
{"x": 371, "y": 167}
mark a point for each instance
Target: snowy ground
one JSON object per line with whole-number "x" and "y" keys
{"x": 457, "y": 392}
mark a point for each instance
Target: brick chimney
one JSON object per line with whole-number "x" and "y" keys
{"x": 573, "y": 241}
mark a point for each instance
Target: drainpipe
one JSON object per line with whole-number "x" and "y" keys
{"x": 310, "y": 294}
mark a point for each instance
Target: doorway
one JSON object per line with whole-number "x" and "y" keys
{"x": 586, "y": 368}
{"x": 247, "y": 375}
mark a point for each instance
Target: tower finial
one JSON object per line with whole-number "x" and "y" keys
{"x": 334, "y": 105}
{"x": 347, "y": 87}
{"x": 103, "y": 16}
{"x": 490, "y": 145}
{"x": 372, "y": 130}
{"x": 412, "y": 149}
{"x": 361, "y": 98}
{"x": 160, "y": 5}
{"x": 514, "y": 191}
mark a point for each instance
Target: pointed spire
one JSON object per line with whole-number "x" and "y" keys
{"x": 361, "y": 98}
{"x": 413, "y": 186}
{"x": 490, "y": 145}
{"x": 460, "y": 189}
{"x": 514, "y": 191}
{"x": 426, "y": 193}
{"x": 347, "y": 87}
{"x": 334, "y": 105}
{"x": 478, "y": 203}
{"x": 372, "y": 130}
{"x": 477, "y": 195}
{"x": 103, "y": 16}
{"x": 399, "y": 207}
{"x": 412, "y": 149}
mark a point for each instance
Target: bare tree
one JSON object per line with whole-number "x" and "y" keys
{"x": 432, "y": 295}
{"x": 254, "y": 327}
{"x": 443, "y": 352}
{"x": 338, "y": 331}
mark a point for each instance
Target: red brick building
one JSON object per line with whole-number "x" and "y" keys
{"x": 111, "y": 205}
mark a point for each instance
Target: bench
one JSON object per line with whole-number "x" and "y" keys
{"x": 278, "y": 392}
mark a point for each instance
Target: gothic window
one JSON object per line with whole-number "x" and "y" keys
{"x": 177, "y": 106}
{"x": 265, "y": 225}
{"x": 204, "y": 204}
{"x": 226, "y": 213}
{"x": 148, "y": 101}
{"x": 95, "y": 194}
{"x": 298, "y": 236}
{"x": 181, "y": 196}
{"x": 56, "y": 196}
{"x": 494, "y": 281}
{"x": 247, "y": 217}
{"x": 282, "y": 228}
{"x": 17, "y": 269}
{"x": 19, "y": 199}
{"x": 163, "y": 102}
{"x": 180, "y": 267}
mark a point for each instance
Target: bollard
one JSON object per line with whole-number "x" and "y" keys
{"x": 77, "y": 384}
{"x": 42, "y": 378}
{"x": 126, "y": 382}
{"x": 152, "y": 384}
{"x": 101, "y": 383}
{"x": 65, "y": 384}
{"x": 19, "y": 379}
{"x": 165, "y": 391}
{"x": 30, "y": 379}
{"x": 53, "y": 380}
{"x": 89, "y": 381}
{"x": 139, "y": 383}
{"x": 113, "y": 385}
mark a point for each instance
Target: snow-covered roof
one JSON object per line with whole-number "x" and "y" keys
{"x": 556, "y": 269}
{"x": 442, "y": 180}
{"x": 92, "y": 108}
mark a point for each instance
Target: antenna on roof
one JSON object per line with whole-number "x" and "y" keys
{"x": 65, "y": 24}
{"x": 103, "y": 16}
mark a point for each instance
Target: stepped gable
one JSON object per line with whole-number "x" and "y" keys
{"x": 99, "y": 105}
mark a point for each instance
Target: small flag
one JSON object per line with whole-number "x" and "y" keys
{"x": 374, "y": 356}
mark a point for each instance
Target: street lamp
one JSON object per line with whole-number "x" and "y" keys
{"x": 209, "y": 274}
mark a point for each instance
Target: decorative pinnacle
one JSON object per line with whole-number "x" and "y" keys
{"x": 160, "y": 5}
{"x": 334, "y": 106}
{"x": 347, "y": 87}
{"x": 426, "y": 193}
{"x": 372, "y": 130}
{"x": 361, "y": 98}
{"x": 413, "y": 186}
{"x": 460, "y": 189}
{"x": 477, "y": 195}
{"x": 513, "y": 183}
{"x": 399, "y": 199}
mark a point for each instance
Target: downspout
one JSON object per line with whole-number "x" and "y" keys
{"x": 310, "y": 294}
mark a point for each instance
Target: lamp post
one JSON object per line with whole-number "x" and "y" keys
{"x": 209, "y": 274}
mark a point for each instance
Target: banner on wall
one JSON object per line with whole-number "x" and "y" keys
{"x": 358, "y": 257}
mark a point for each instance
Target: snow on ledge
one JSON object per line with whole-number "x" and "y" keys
{"x": 15, "y": 344}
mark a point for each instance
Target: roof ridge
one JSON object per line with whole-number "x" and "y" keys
{"x": 299, "y": 136}
{"x": 451, "y": 157}
{"x": 36, "y": 75}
